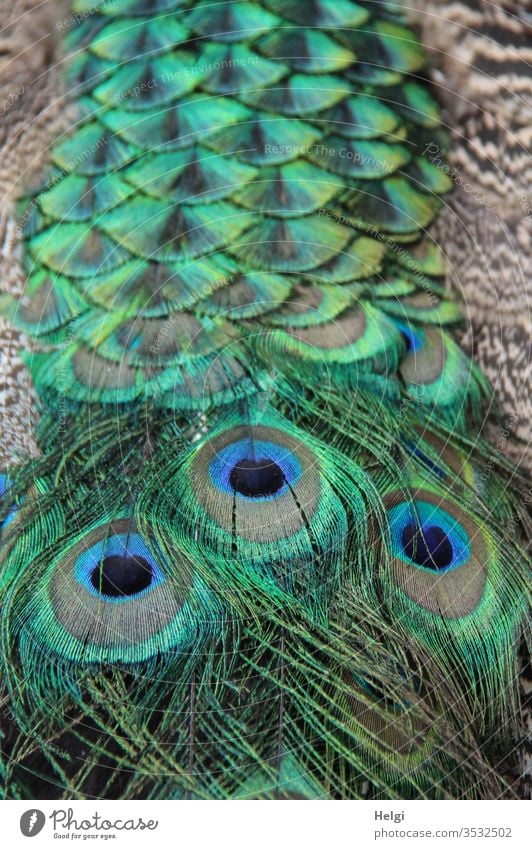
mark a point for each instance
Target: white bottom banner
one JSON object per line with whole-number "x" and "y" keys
{"x": 252, "y": 825}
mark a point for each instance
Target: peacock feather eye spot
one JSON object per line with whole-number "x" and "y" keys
{"x": 429, "y": 537}
{"x": 255, "y": 469}
{"x": 112, "y": 595}
{"x": 8, "y": 518}
{"x": 5, "y": 486}
{"x": 413, "y": 340}
{"x": 119, "y": 575}
{"x": 428, "y": 546}
{"x": 118, "y": 568}
{"x": 263, "y": 487}
{"x": 257, "y": 478}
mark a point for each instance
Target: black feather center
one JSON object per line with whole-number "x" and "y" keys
{"x": 257, "y": 478}
{"x": 429, "y": 546}
{"x": 118, "y": 576}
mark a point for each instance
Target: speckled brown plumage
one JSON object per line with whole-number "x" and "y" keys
{"x": 32, "y": 114}
{"x": 482, "y": 58}
{"x": 482, "y": 54}
{"x": 105, "y": 376}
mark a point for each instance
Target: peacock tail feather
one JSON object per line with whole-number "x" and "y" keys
{"x": 265, "y": 551}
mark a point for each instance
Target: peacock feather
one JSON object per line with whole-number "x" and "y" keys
{"x": 265, "y": 551}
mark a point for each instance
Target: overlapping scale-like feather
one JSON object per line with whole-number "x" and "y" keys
{"x": 260, "y": 490}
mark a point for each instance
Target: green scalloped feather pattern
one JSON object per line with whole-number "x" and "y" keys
{"x": 229, "y": 261}
{"x": 234, "y": 134}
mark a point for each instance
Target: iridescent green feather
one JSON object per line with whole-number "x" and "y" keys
{"x": 265, "y": 551}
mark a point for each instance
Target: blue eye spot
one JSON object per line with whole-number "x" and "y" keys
{"x": 134, "y": 343}
{"x": 256, "y": 478}
{"x": 427, "y": 546}
{"x": 118, "y": 568}
{"x": 255, "y": 469}
{"x": 118, "y": 576}
{"x": 430, "y": 465}
{"x": 5, "y": 485}
{"x": 413, "y": 339}
{"x": 428, "y": 537}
